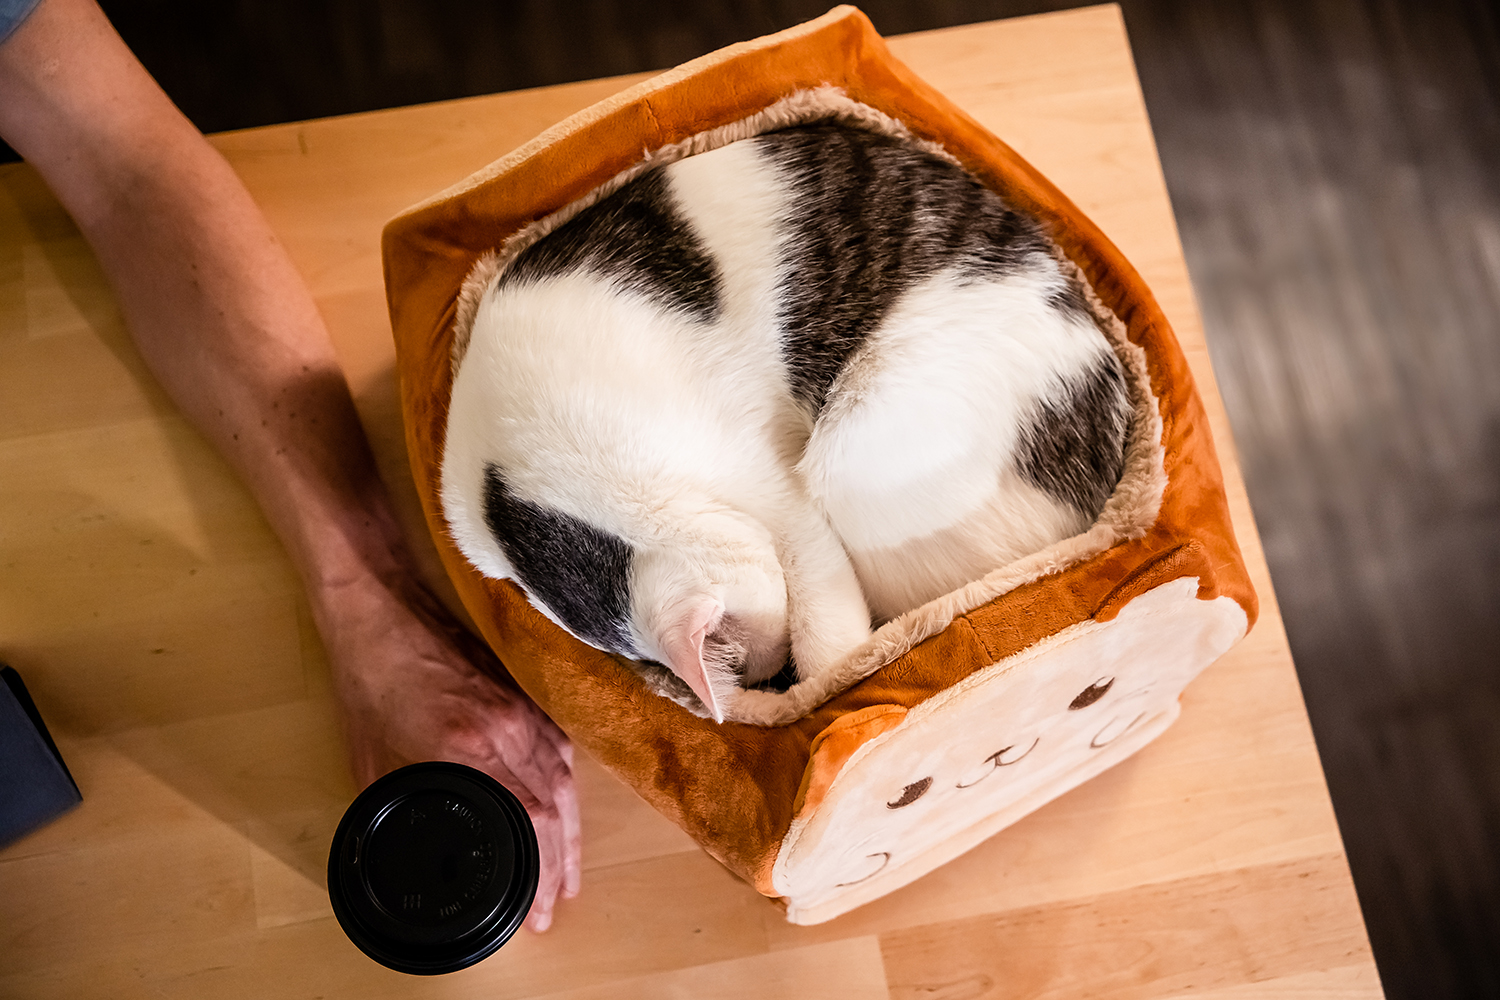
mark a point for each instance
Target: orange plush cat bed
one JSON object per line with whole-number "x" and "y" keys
{"x": 959, "y": 717}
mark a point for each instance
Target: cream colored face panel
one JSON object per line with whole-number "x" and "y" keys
{"x": 982, "y": 754}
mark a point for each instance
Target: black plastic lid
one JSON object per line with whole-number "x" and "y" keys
{"x": 433, "y": 867}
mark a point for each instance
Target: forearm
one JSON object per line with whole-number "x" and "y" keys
{"x": 214, "y": 303}
{"x": 228, "y": 327}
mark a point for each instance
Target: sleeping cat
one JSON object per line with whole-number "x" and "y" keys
{"x": 765, "y": 395}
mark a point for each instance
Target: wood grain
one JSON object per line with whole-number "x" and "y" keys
{"x": 163, "y": 634}
{"x": 1146, "y": 941}
{"x": 1333, "y": 168}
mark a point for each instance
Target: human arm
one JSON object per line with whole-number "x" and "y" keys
{"x": 227, "y": 325}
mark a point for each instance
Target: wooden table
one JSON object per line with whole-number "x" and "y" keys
{"x": 166, "y": 640}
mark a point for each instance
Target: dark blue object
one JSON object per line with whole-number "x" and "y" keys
{"x": 35, "y": 786}
{"x": 433, "y": 867}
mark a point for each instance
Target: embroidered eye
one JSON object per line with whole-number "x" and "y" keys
{"x": 911, "y": 793}
{"x": 1092, "y": 693}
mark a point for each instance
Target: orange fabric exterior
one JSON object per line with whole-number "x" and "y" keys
{"x": 834, "y": 746}
{"x": 733, "y": 787}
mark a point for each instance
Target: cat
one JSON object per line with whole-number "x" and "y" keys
{"x": 765, "y": 397}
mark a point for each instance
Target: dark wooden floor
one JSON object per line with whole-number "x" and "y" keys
{"x": 1335, "y": 167}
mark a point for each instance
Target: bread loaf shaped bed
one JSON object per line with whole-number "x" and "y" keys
{"x": 957, "y": 718}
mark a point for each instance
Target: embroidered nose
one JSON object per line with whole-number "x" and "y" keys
{"x": 999, "y": 759}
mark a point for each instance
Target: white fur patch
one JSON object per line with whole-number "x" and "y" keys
{"x": 898, "y": 466}
{"x": 737, "y": 206}
{"x": 892, "y": 459}
{"x": 592, "y": 397}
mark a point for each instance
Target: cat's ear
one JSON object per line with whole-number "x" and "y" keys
{"x": 684, "y": 642}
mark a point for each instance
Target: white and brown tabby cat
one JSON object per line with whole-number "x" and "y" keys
{"x": 765, "y": 395}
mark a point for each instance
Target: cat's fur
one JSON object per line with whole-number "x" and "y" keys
{"x": 764, "y": 393}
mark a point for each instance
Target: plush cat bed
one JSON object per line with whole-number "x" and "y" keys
{"x": 959, "y": 717}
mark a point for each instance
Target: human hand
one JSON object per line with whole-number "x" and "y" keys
{"x": 415, "y": 685}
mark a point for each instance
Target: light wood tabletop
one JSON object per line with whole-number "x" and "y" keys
{"x": 164, "y": 636}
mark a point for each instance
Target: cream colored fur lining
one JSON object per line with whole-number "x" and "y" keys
{"x": 1128, "y": 514}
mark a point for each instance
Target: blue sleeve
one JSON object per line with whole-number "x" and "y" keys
{"x": 12, "y": 13}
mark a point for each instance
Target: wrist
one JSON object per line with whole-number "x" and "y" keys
{"x": 347, "y": 573}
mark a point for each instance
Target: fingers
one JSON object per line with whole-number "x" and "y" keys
{"x": 527, "y": 750}
{"x": 512, "y": 743}
{"x": 551, "y": 798}
{"x": 557, "y": 738}
{"x": 538, "y": 755}
{"x": 551, "y": 850}
{"x": 540, "y": 917}
{"x": 565, "y": 799}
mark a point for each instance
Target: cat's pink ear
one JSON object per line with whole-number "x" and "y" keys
{"x": 683, "y": 644}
